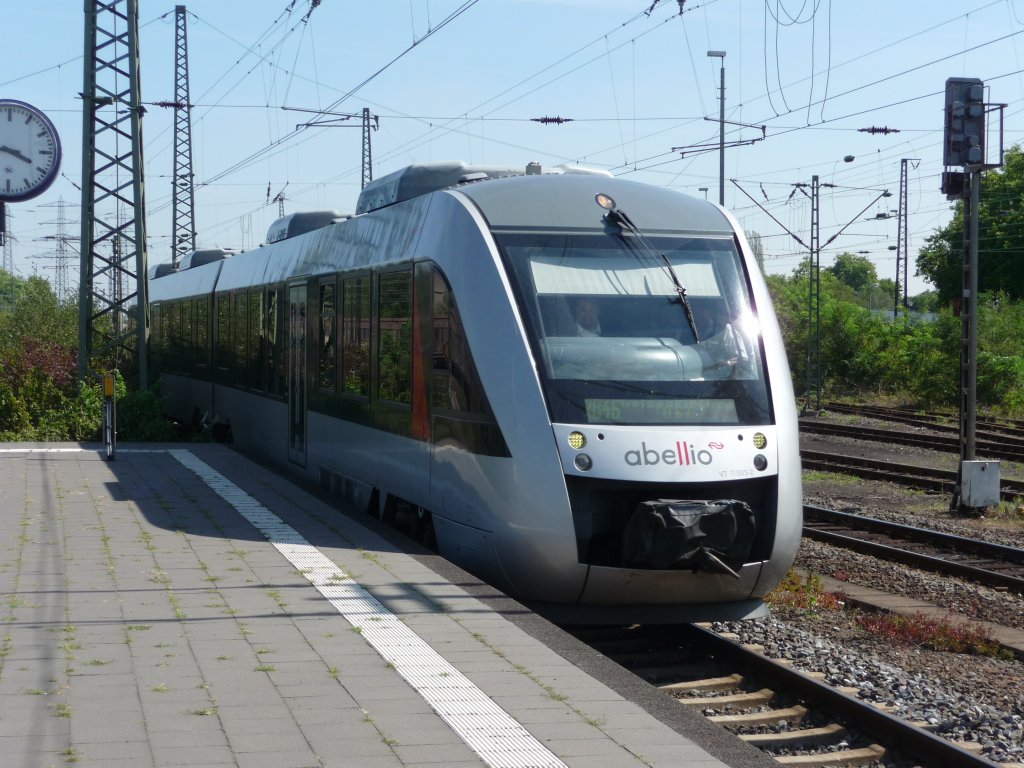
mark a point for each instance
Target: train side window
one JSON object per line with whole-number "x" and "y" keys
{"x": 170, "y": 334}
{"x": 180, "y": 338}
{"x": 156, "y": 339}
{"x": 224, "y": 348}
{"x": 394, "y": 351}
{"x": 187, "y": 339}
{"x": 327, "y": 339}
{"x": 456, "y": 384}
{"x": 202, "y": 321}
{"x": 274, "y": 330}
{"x": 355, "y": 335}
{"x": 239, "y": 332}
{"x": 171, "y": 340}
{"x": 255, "y": 367}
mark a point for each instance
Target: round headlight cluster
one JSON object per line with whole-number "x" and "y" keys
{"x": 582, "y": 461}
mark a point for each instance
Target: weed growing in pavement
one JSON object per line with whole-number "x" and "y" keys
{"x": 935, "y": 634}
{"x": 807, "y": 596}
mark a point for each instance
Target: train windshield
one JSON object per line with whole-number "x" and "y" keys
{"x": 616, "y": 342}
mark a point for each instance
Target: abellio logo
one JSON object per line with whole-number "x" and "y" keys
{"x": 683, "y": 454}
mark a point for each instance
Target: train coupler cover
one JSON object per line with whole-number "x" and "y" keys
{"x": 675, "y": 534}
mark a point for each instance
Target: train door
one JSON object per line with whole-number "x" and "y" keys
{"x": 297, "y": 373}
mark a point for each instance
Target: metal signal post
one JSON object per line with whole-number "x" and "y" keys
{"x": 965, "y": 146}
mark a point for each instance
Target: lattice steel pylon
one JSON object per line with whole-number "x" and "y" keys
{"x": 61, "y": 285}
{"x": 369, "y": 120}
{"x": 184, "y": 236}
{"x": 902, "y": 247}
{"x": 813, "y": 399}
{"x": 113, "y": 326}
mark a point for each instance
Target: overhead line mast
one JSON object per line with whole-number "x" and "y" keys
{"x": 183, "y": 215}
{"x": 113, "y": 324}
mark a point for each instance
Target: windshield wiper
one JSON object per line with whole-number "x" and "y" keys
{"x": 619, "y": 218}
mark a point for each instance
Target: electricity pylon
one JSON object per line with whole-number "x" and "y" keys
{"x": 113, "y": 326}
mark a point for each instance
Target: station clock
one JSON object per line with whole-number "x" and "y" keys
{"x": 29, "y": 151}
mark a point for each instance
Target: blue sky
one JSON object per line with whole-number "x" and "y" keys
{"x": 464, "y": 80}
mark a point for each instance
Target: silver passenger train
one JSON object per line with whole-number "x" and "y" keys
{"x": 575, "y": 384}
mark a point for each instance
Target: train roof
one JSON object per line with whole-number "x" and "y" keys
{"x": 560, "y": 197}
{"x": 301, "y": 222}
{"x": 198, "y": 258}
{"x": 568, "y": 202}
{"x": 159, "y": 270}
{"x": 423, "y": 178}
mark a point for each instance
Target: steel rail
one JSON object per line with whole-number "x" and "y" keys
{"x": 988, "y": 448}
{"x": 1009, "y": 555}
{"x": 928, "y": 478}
{"x": 1010, "y": 428}
{"x": 908, "y": 738}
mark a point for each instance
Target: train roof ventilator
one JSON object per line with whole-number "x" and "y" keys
{"x": 423, "y": 178}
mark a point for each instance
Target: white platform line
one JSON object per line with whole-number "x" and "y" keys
{"x": 43, "y": 450}
{"x": 486, "y": 728}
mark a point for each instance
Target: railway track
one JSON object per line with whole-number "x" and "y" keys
{"x": 911, "y": 475}
{"x": 992, "y": 448}
{"x": 796, "y": 717}
{"x": 989, "y": 428}
{"x": 983, "y": 562}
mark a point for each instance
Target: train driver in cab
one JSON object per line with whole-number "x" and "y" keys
{"x": 588, "y": 318}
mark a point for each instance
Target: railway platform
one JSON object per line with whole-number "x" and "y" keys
{"x": 181, "y": 605}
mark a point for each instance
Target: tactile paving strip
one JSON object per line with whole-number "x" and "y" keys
{"x": 486, "y": 728}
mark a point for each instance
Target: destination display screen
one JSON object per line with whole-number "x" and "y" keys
{"x": 675, "y": 411}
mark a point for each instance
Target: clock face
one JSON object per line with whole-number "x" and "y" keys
{"x": 29, "y": 151}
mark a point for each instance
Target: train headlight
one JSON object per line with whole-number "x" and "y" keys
{"x": 577, "y": 440}
{"x": 583, "y": 462}
{"x": 760, "y": 463}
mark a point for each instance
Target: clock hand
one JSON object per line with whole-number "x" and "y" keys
{"x": 15, "y": 152}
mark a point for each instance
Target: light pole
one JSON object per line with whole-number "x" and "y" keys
{"x": 720, "y": 55}
{"x": 846, "y": 159}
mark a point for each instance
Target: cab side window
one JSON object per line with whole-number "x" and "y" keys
{"x": 456, "y": 383}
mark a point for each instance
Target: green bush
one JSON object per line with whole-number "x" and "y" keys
{"x": 863, "y": 352}
{"x": 140, "y": 418}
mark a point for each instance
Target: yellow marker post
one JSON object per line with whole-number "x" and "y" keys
{"x": 109, "y": 415}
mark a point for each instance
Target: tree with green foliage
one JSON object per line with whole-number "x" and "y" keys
{"x": 37, "y": 357}
{"x": 865, "y": 353}
{"x": 858, "y": 272}
{"x": 1000, "y": 237}
{"x": 40, "y": 398}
